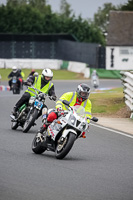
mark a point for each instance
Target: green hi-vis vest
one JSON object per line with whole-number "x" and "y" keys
{"x": 71, "y": 97}
{"x": 37, "y": 85}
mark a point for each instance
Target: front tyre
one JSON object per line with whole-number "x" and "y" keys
{"x": 37, "y": 144}
{"x": 30, "y": 121}
{"x": 14, "y": 125}
{"x": 14, "y": 90}
{"x": 18, "y": 91}
{"x": 64, "y": 147}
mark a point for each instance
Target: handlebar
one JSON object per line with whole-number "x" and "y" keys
{"x": 38, "y": 93}
{"x": 94, "y": 119}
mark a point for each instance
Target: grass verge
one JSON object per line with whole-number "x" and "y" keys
{"x": 110, "y": 103}
{"x": 58, "y": 74}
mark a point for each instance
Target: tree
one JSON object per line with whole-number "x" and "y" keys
{"x": 12, "y": 2}
{"x": 101, "y": 18}
{"x": 128, "y": 6}
{"x": 38, "y": 4}
{"x": 65, "y": 8}
{"x": 24, "y": 17}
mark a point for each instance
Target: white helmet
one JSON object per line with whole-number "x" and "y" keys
{"x": 36, "y": 74}
{"x": 14, "y": 69}
{"x": 47, "y": 73}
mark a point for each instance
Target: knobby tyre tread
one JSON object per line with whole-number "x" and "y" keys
{"x": 14, "y": 125}
{"x": 29, "y": 125}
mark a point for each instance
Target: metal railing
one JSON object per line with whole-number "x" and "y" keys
{"x": 127, "y": 81}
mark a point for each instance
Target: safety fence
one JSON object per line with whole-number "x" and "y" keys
{"x": 127, "y": 81}
{"x": 78, "y": 67}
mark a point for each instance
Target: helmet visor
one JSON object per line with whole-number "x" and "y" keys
{"x": 84, "y": 95}
{"x": 46, "y": 78}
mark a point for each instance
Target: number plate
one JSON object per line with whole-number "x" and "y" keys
{"x": 14, "y": 81}
{"x": 38, "y": 104}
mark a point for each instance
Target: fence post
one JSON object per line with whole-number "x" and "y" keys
{"x": 127, "y": 81}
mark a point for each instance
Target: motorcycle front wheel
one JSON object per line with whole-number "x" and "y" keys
{"x": 14, "y": 90}
{"x": 64, "y": 147}
{"x": 14, "y": 125}
{"x": 37, "y": 144}
{"x": 30, "y": 121}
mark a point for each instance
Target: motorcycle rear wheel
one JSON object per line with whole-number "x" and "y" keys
{"x": 63, "y": 149}
{"x": 30, "y": 121}
{"x": 37, "y": 146}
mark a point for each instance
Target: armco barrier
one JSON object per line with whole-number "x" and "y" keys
{"x": 4, "y": 88}
{"x": 127, "y": 80}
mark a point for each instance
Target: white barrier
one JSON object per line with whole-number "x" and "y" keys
{"x": 4, "y": 88}
{"x": 31, "y": 63}
{"x": 127, "y": 79}
{"x": 77, "y": 67}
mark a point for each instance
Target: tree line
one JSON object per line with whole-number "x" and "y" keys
{"x": 36, "y": 17}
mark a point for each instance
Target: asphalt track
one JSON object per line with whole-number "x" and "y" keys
{"x": 99, "y": 167}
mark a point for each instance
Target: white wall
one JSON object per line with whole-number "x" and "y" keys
{"x": 77, "y": 67}
{"x": 120, "y": 57}
{"x": 31, "y": 63}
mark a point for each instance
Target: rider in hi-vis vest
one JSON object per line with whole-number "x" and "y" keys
{"x": 42, "y": 83}
{"x": 80, "y": 97}
{"x": 74, "y": 99}
{"x": 37, "y": 85}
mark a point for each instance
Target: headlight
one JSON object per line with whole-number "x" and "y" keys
{"x": 73, "y": 120}
{"x": 83, "y": 126}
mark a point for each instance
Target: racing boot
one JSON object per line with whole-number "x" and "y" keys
{"x": 43, "y": 128}
{"x": 14, "y": 112}
{"x": 41, "y": 134}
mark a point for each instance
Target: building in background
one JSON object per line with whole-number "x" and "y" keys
{"x": 119, "y": 47}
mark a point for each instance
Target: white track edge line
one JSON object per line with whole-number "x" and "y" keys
{"x": 109, "y": 129}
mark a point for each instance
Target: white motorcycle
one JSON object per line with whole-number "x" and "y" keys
{"x": 62, "y": 132}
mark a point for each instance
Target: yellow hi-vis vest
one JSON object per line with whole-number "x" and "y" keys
{"x": 71, "y": 97}
{"x": 37, "y": 85}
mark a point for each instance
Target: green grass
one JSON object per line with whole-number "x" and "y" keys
{"x": 58, "y": 74}
{"x": 109, "y": 102}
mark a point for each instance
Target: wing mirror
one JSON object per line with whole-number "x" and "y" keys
{"x": 94, "y": 119}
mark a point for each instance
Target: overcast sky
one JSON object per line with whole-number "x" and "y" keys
{"x": 86, "y": 8}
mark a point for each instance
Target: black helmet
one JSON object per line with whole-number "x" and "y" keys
{"x": 83, "y": 91}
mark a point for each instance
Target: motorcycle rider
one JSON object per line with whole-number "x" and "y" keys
{"x": 80, "y": 97}
{"x": 42, "y": 83}
{"x": 31, "y": 73}
{"x": 21, "y": 79}
{"x": 94, "y": 79}
{"x": 15, "y": 72}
